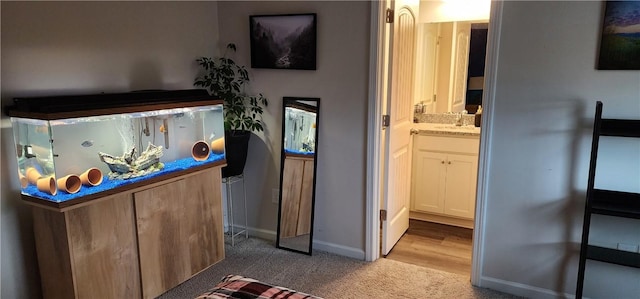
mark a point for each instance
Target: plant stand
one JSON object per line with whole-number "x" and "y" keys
{"x": 232, "y": 233}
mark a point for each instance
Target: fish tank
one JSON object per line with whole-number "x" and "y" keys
{"x": 300, "y": 129}
{"x": 75, "y": 148}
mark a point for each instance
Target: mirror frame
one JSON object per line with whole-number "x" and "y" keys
{"x": 293, "y": 102}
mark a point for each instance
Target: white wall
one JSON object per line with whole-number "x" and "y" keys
{"x": 341, "y": 82}
{"x": 53, "y": 48}
{"x": 547, "y": 86}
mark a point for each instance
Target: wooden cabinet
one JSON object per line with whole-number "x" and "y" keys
{"x": 135, "y": 244}
{"x": 297, "y": 194}
{"x": 444, "y": 176}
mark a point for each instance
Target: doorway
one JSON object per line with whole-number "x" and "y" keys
{"x": 436, "y": 246}
{"x": 377, "y": 182}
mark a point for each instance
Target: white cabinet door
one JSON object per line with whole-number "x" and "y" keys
{"x": 429, "y": 175}
{"x": 444, "y": 176}
{"x": 460, "y": 190}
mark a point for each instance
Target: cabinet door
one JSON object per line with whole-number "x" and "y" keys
{"x": 179, "y": 230}
{"x": 102, "y": 238}
{"x": 291, "y": 189}
{"x": 306, "y": 196}
{"x": 460, "y": 188}
{"x": 429, "y": 181}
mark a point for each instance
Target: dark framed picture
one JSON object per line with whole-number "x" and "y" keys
{"x": 620, "y": 41}
{"x": 283, "y": 41}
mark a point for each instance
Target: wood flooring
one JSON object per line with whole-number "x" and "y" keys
{"x": 436, "y": 246}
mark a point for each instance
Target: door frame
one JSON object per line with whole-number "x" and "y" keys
{"x": 375, "y": 132}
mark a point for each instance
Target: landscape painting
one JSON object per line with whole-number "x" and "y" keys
{"x": 283, "y": 41}
{"x": 620, "y": 42}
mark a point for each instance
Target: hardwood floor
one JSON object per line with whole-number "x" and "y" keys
{"x": 436, "y": 246}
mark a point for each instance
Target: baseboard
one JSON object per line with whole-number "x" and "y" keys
{"x": 317, "y": 245}
{"x": 351, "y": 252}
{"x": 466, "y": 223}
{"x": 263, "y": 233}
{"x": 520, "y": 289}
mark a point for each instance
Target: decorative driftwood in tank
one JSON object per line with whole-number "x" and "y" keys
{"x": 129, "y": 166}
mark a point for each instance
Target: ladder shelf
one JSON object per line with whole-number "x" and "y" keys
{"x": 607, "y": 202}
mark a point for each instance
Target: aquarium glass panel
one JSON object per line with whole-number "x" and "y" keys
{"x": 114, "y": 150}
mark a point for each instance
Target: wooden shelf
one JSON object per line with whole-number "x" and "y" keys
{"x": 613, "y": 256}
{"x": 616, "y": 203}
{"x": 620, "y": 127}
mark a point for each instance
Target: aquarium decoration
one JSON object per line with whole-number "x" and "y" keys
{"x": 129, "y": 166}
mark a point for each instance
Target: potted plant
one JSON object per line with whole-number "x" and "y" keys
{"x": 225, "y": 79}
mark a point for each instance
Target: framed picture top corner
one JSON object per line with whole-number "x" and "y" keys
{"x": 620, "y": 38}
{"x": 285, "y": 41}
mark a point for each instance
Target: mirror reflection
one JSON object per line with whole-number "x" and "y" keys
{"x": 297, "y": 173}
{"x": 450, "y": 64}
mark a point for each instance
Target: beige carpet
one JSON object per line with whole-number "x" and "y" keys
{"x": 331, "y": 276}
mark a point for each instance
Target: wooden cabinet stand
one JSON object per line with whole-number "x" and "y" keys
{"x": 137, "y": 243}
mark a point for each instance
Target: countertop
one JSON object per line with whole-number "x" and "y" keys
{"x": 445, "y": 129}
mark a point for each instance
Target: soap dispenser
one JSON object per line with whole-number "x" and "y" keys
{"x": 478, "y": 117}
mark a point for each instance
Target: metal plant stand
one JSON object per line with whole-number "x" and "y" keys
{"x": 229, "y": 181}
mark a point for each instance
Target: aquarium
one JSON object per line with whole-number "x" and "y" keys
{"x": 299, "y": 130}
{"x": 66, "y": 153}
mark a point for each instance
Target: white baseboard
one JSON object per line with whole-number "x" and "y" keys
{"x": 263, "y": 233}
{"x": 339, "y": 249}
{"x": 317, "y": 245}
{"x": 520, "y": 289}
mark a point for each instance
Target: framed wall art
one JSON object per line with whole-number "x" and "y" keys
{"x": 620, "y": 40}
{"x": 283, "y": 41}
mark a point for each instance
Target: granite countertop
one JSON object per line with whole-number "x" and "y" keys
{"x": 446, "y": 129}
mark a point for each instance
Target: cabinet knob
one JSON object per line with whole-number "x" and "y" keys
{"x": 442, "y": 161}
{"x": 449, "y": 162}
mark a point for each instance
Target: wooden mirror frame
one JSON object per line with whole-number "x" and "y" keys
{"x": 297, "y": 164}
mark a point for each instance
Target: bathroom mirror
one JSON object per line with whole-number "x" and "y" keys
{"x": 298, "y": 173}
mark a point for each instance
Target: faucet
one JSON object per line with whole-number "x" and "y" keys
{"x": 459, "y": 119}
{"x": 459, "y": 115}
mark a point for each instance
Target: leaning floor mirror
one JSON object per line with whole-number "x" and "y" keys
{"x": 298, "y": 173}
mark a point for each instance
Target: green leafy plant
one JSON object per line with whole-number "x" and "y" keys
{"x": 225, "y": 79}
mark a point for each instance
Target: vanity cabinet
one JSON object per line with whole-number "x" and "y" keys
{"x": 444, "y": 178}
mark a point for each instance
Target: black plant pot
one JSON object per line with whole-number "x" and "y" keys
{"x": 236, "y": 144}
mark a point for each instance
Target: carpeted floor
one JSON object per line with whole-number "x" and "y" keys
{"x": 330, "y": 276}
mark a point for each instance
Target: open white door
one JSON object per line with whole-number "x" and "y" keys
{"x": 460, "y": 63}
{"x": 427, "y": 63}
{"x": 397, "y": 178}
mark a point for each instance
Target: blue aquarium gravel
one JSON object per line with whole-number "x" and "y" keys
{"x": 108, "y": 184}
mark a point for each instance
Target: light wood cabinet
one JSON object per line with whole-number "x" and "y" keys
{"x": 444, "y": 176}
{"x": 135, "y": 244}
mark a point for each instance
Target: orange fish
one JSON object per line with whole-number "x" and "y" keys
{"x": 163, "y": 129}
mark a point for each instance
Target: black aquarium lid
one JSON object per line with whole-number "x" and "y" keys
{"x": 72, "y": 103}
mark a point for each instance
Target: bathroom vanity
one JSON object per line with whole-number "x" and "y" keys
{"x": 444, "y": 173}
